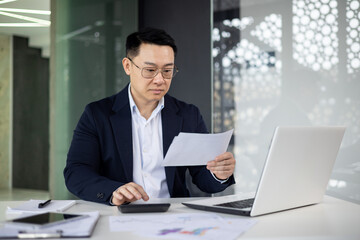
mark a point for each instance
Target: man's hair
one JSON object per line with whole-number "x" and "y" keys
{"x": 148, "y": 35}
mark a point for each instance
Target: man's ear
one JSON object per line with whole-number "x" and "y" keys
{"x": 126, "y": 65}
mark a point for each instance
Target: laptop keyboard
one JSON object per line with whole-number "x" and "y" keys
{"x": 238, "y": 204}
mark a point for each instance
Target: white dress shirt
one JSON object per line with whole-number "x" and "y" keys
{"x": 148, "y": 151}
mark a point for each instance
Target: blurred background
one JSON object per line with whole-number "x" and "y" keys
{"x": 248, "y": 65}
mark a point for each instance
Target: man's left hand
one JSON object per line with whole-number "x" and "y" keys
{"x": 223, "y": 166}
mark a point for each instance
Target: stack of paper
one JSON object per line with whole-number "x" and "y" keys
{"x": 83, "y": 228}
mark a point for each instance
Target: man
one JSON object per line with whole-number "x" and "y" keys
{"x": 119, "y": 143}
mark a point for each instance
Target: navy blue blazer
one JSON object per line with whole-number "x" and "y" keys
{"x": 100, "y": 158}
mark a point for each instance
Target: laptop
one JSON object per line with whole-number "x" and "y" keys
{"x": 296, "y": 173}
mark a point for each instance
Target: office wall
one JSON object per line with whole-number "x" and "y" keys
{"x": 30, "y": 163}
{"x": 189, "y": 23}
{"x": 5, "y": 112}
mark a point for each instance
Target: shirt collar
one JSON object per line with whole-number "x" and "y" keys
{"x": 134, "y": 108}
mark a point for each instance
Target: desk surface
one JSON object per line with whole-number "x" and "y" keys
{"x": 331, "y": 219}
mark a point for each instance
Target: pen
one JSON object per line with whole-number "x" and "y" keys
{"x": 44, "y": 204}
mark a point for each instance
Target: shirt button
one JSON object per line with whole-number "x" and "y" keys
{"x": 144, "y": 150}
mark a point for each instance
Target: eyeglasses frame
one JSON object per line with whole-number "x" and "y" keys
{"x": 157, "y": 70}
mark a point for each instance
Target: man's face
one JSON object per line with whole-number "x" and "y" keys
{"x": 149, "y": 90}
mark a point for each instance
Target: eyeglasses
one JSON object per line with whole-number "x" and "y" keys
{"x": 151, "y": 72}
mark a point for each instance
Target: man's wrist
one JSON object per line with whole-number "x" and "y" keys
{"x": 219, "y": 180}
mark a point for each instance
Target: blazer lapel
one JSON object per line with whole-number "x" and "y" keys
{"x": 122, "y": 130}
{"x": 171, "y": 126}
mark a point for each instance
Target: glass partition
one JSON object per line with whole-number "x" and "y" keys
{"x": 88, "y": 45}
{"x": 287, "y": 63}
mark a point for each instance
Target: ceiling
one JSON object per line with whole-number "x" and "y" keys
{"x": 27, "y": 18}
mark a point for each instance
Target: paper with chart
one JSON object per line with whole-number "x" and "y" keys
{"x": 189, "y": 149}
{"x": 181, "y": 225}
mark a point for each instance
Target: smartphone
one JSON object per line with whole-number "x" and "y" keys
{"x": 46, "y": 219}
{"x": 144, "y": 208}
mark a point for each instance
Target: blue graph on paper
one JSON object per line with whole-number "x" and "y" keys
{"x": 181, "y": 225}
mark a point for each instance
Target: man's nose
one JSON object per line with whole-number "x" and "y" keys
{"x": 159, "y": 78}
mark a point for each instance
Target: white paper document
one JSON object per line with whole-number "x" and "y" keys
{"x": 189, "y": 149}
{"x": 81, "y": 228}
{"x": 181, "y": 225}
{"x": 31, "y": 206}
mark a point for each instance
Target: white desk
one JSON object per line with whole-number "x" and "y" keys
{"x": 331, "y": 219}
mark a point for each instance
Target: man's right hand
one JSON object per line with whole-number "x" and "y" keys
{"x": 129, "y": 192}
